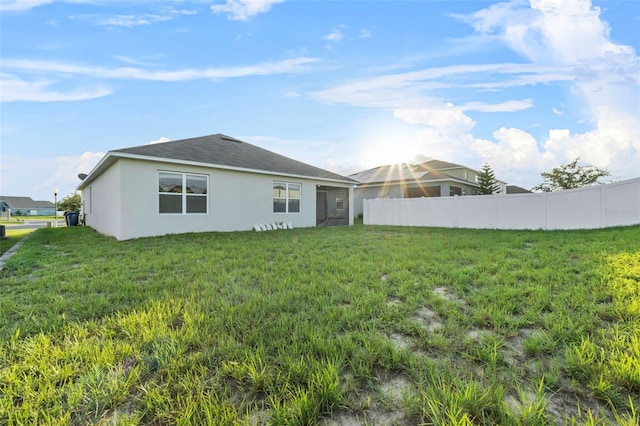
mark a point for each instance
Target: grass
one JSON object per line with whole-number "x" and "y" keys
{"x": 13, "y": 237}
{"x": 372, "y": 325}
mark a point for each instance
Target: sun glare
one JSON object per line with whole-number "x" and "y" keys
{"x": 391, "y": 144}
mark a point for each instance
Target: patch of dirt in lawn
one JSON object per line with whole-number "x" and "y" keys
{"x": 260, "y": 417}
{"x": 401, "y": 341}
{"x": 448, "y": 294}
{"x": 394, "y": 302}
{"x": 560, "y": 405}
{"x": 514, "y": 353}
{"x": 429, "y": 319}
{"x": 476, "y": 334}
{"x": 385, "y": 410}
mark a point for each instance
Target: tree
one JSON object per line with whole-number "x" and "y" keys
{"x": 71, "y": 203}
{"x": 487, "y": 181}
{"x": 570, "y": 176}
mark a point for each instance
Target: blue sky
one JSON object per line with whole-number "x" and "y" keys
{"x": 345, "y": 85}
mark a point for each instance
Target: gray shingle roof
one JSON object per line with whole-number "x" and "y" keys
{"x": 514, "y": 189}
{"x": 424, "y": 172}
{"x": 439, "y": 165}
{"x": 222, "y": 150}
{"x": 25, "y": 203}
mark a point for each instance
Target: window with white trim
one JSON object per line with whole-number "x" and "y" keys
{"x": 182, "y": 193}
{"x": 286, "y": 197}
{"x": 340, "y": 197}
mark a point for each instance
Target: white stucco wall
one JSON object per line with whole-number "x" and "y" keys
{"x": 237, "y": 201}
{"x": 101, "y": 204}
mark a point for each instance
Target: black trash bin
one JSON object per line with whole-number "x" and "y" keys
{"x": 72, "y": 218}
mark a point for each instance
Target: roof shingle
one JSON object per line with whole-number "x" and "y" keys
{"x": 222, "y": 150}
{"x": 25, "y": 203}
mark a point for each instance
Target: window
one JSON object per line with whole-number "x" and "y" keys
{"x": 182, "y": 193}
{"x": 454, "y": 190}
{"x": 340, "y": 196}
{"x": 286, "y": 197}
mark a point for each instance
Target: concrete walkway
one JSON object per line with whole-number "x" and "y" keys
{"x": 12, "y": 250}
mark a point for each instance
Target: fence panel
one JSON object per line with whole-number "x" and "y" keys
{"x": 601, "y": 206}
{"x": 621, "y": 204}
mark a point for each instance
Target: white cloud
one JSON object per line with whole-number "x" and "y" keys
{"x": 446, "y": 120}
{"x": 68, "y": 168}
{"x": 334, "y": 36}
{"x": 127, "y": 21}
{"x": 241, "y": 10}
{"x": 134, "y": 61}
{"x": 558, "y": 111}
{"x": 161, "y": 139}
{"x": 606, "y": 75}
{"x": 8, "y": 5}
{"x": 563, "y": 42}
{"x": 16, "y": 89}
{"x": 365, "y": 33}
{"x": 508, "y": 106}
{"x": 265, "y": 68}
{"x": 414, "y": 88}
{"x": 45, "y": 174}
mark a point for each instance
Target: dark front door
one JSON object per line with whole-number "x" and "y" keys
{"x": 321, "y": 207}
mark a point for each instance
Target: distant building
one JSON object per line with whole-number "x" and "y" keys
{"x": 432, "y": 178}
{"x": 514, "y": 189}
{"x": 25, "y": 206}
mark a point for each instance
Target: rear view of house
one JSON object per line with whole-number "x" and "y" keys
{"x": 433, "y": 178}
{"x": 209, "y": 183}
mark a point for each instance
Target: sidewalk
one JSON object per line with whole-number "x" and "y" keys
{"x": 12, "y": 250}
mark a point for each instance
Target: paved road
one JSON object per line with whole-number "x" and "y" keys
{"x": 31, "y": 224}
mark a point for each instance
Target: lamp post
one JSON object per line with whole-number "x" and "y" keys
{"x": 55, "y": 196}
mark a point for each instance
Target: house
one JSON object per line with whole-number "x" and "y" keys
{"x": 25, "y": 206}
{"x": 433, "y": 178}
{"x": 514, "y": 189}
{"x": 209, "y": 183}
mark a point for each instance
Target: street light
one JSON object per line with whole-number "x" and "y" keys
{"x": 55, "y": 196}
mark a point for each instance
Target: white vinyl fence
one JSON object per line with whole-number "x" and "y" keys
{"x": 602, "y": 206}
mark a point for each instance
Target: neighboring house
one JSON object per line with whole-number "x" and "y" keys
{"x": 432, "y": 178}
{"x": 25, "y": 206}
{"x": 514, "y": 189}
{"x": 209, "y": 183}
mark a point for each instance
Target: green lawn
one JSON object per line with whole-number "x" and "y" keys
{"x": 13, "y": 236}
{"x": 330, "y": 326}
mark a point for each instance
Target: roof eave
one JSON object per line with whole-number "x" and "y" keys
{"x": 111, "y": 157}
{"x": 417, "y": 182}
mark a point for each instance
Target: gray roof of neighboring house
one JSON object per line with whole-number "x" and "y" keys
{"x": 26, "y": 203}
{"x": 440, "y": 165}
{"x": 218, "y": 151}
{"x": 427, "y": 171}
{"x": 514, "y": 189}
